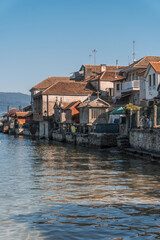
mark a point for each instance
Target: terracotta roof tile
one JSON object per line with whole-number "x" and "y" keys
{"x": 68, "y": 88}
{"x": 98, "y": 68}
{"x": 11, "y": 113}
{"x": 112, "y": 76}
{"x": 23, "y": 114}
{"x": 143, "y": 62}
{"x": 156, "y": 66}
{"x": 49, "y": 81}
{"x": 72, "y": 104}
{"x": 108, "y": 75}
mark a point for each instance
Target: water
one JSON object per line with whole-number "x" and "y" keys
{"x": 54, "y": 191}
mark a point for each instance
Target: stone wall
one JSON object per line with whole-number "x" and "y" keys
{"x": 43, "y": 129}
{"x": 145, "y": 139}
{"x": 92, "y": 139}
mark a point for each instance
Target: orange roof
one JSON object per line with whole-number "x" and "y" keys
{"x": 156, "y": 66}
{"x": 143, "y": 62}
{"x": 23, "y": 114}
{"x": 112, "y": 76}
{"x": 11, "y": 113}
{"x": 49, "y": 81}
{"x": 97, "y": 68}
{"x": 72, "y": 104}
{"x": 68, "y": 88}
{"x": 108, "y": 75}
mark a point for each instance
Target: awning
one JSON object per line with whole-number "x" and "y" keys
{"x": 118, "y": 111}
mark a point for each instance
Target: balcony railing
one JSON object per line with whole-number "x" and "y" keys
{"x": 131, "y": 86}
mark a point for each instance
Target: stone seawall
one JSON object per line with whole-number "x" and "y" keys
{"x": 145, "y": 139}
{"x": 92, "y": 139}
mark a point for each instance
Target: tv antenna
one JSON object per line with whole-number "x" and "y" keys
{"x": 134, "y": 53}
{"x": 90, "y": 56}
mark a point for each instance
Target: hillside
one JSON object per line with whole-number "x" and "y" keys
{"x": 14, "y": 100}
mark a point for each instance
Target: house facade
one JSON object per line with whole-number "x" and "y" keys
{"x": 133, "y": 88}
{"x": 66, "y": 92}
{"x": 93, "y": 112}
{"x": 105, "y": 79}
{"x": 152, "y": 77}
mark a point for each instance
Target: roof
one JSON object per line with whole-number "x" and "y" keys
{"x": 112, "y": 76}
{"x": 143, "y": 62}
{"x": 11, "y": 113}
{"x": 98, "y": 102}
{"x": 98, "y": 67}
{"x": 68, "y": 88}
{"x": 23, "y": 114}
{"x": 27, "y": 108}
{"x": 72, "y": 104}
{"x": 49, "y": 81}
{"x": 155, "y": 66}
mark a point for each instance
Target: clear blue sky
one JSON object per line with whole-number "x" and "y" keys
{"x": 42, "y": 38}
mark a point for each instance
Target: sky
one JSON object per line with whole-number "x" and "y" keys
{"x": 43, "y": 38}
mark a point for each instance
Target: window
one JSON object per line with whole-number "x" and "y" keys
{"x": 154, "y": 79}
{"x": 150, "y": 81}
{"x": 118, "y": 87}
{"x": 110, "y": 92}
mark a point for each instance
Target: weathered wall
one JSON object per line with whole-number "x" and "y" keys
{"x": 43, "y": 129}
{"x": 92, "y": 139}
{"x": 145, "y": 139}
{"x": 60, "y": 137}
{"x": 50, "y": 99}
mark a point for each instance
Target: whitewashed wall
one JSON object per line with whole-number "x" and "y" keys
{"x": 151, "y": 92}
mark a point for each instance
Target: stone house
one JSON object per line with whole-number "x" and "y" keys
{"x": 23, "y": 117}
{"x": 105, "y": 79}
{"x": 66, "y": 92}
{"x": 9, "y": 118}
{"x": 93, "y": 111}
{"x": 38, "y": 89}
{"x": 66, "y": 112}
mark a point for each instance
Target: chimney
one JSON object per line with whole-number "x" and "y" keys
{"x": 103, "y": 67}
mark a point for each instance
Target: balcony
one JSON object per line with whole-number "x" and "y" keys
{"x": 131, "y": 86}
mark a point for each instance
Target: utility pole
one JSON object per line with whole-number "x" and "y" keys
{"x": 98, "y": 87}
{"x": 94, "y": 51}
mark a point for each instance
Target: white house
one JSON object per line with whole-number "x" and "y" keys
{"x": 133, "y": 89}
{"x": 152, "y": 76}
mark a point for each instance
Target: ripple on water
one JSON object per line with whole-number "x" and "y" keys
{"x": 54, "y": 191}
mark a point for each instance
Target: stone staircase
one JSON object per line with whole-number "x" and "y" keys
{"x": 123, "y": 142}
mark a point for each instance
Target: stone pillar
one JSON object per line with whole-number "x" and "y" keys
{"x": 138, "y": 117}
{"x": 130, "y": 116}
{"x": 155, "y": 116}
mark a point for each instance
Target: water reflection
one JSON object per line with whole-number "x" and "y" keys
{"x": 51, "y": 191}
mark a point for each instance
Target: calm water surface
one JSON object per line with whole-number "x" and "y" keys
{"x": 54, "y": 191}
